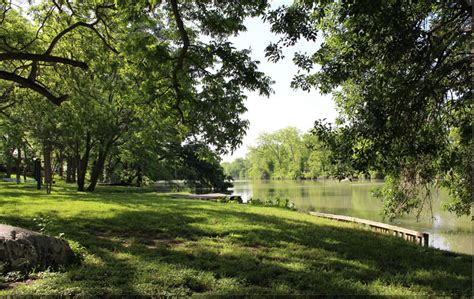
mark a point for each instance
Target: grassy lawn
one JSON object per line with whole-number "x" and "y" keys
{"x": 134, "y": 242}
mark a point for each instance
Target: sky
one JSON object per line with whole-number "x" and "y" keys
{"x": 286, "y": 106}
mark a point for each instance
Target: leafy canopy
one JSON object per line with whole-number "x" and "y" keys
{"x": 400, "y": 75}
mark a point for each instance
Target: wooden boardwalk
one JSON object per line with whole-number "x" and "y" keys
{"x": 209, "y": 196}
{"x": 414, "y": 236}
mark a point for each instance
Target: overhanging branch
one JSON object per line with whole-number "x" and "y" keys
{"x": 42, "y": 57}
{"x": 33, "y": 86}
{"x": 182, "y": 54}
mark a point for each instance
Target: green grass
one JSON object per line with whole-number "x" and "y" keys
{"x": 134, "y": 242}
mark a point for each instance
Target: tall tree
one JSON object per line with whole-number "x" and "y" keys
{"x": 401, "y": 78}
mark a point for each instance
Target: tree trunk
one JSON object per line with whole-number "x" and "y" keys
{"x": 70, "y": 170}
{"x": 96, "y": 170}
{"x": 8, "y": 171}
{"x": 18, "y": 167}
{"x": 99, "y": 165}
{"x": 48, "y": 171}
{"x": 82, "y": 163}
{"x": 139, "y": 177}
{"x": 81, "y": 172}
{"x": 109, "y": 170}
{"x": 25, "y": 164}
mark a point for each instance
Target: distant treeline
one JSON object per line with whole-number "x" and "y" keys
{"x": 290, "y": 154}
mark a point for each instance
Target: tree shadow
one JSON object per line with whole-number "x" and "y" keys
{"x": 265, "y": 255}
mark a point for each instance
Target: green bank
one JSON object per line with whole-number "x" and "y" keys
{"x": 135, "y": 241}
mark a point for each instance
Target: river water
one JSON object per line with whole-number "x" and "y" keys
{"x": 446, "y": 231}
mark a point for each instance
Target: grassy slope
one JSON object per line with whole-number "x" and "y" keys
{"x": 146, "y": 243}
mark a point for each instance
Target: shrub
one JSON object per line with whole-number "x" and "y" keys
{"x": 276, "y": 202}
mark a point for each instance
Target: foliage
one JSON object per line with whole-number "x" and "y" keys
{"x": 236, "y": 169}
{"x": 35, "y": 39}
{"x": 200, "y": 167}
{"x": 276, "y": 202}
{"x": 401, "y": 78}
{"x": 135, "y": 242}
{"x": 287, "y": 154}
{"x": 137, "y": 83}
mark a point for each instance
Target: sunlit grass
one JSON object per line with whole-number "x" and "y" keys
{"x": 134, "y": 241}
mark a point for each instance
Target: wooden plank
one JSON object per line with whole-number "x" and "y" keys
{"x": 370, "y": 223}
{"x": 209, "y": 196}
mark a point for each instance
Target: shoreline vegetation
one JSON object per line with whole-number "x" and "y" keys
{"x": 289, "y": 154}
{"x": 134, "y": 241}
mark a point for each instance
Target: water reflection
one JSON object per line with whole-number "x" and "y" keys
{"x": 354, "y": 199}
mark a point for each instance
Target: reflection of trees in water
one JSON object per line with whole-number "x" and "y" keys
{"x": 459, "y": 242}
{"x": 364, "y": 205}
{"x": 304, "y": 192}
{"x": 446, "y": 231}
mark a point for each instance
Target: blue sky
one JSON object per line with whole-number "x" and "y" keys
{"x": 286, "y": 107}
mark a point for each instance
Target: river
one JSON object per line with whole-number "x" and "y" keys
{"x": 446, "y": 231}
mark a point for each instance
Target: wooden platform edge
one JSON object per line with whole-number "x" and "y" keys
{"x": 421, "y": 238}
{"x": 209, "y": 196}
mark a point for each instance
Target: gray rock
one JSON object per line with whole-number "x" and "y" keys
{"x": 22, "y": 249}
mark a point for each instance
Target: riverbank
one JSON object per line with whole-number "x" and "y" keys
{"x": 134, "y": 242}
{"x": 354, "y": 199}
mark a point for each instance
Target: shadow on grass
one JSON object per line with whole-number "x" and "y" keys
{"x": 185, "y": 247}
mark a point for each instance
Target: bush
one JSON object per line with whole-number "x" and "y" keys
{"x": 276, "y": 202}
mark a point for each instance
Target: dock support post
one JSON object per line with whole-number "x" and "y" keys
{"x": 426, "y": 240}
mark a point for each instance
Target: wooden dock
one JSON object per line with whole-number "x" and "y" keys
{"x": 414, "y": 236}
{"x": 209, "y": 196}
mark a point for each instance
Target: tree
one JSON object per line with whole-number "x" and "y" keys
{"x": 286, "y": 154}
{"x": 400, "y": 76}
{"x": 153, "y": 84}
{"x": 200, "y": 166}
{"x": 316, "y": 158}
{"x": 200, "y": 81}
{"x": 237, "y": 169}
{"x": 26, "y": 47}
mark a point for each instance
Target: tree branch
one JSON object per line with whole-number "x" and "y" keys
{"x": 182, "y": 54}
{"x": 33, "y": 86}
{"x": 66, "y": 31}
{"x": 83, "y": 24}
{"x": 47, "y": 57}
{"x": 41, "y": 57}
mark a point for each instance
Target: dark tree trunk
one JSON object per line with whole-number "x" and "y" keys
{"x": 109, "y": 170}
{"x": 139, "y": 177}
{"x": 99, "y": 165}
{"x": 96, "y": 170}
{"x": 25, "y": 164}
{"x": 70, "y": 170}
{"x": 8, "y": 171}
{"x": 18, "y": 167}
{"x": 129, "y": 180}
{"x": 81, "y": 171}
{"x": 48, "y": 172}
{"x": 82, "y": 163}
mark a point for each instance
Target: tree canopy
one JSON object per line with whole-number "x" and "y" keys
{"x": 400, "y": 75}
{"x": 289, "y": 154}
{"x": 140, "y": 85}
